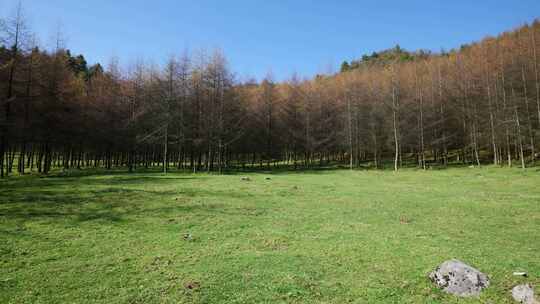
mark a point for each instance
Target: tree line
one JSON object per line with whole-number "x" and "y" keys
{"x": 476, "y": 105}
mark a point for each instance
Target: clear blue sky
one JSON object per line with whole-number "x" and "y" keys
{"x": 257, "y": 36}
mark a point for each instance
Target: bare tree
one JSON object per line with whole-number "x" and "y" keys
{"x": 14, "y": 33}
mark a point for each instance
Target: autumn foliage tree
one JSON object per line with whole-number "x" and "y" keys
{"x": 476, "y": 105}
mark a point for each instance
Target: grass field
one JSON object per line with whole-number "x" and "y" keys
{"x": 314, "y": 237}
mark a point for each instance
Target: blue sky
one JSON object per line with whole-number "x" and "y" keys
{"x": 257, "y": 36}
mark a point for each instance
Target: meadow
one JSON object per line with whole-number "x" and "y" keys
{"x": 325, "y": 236}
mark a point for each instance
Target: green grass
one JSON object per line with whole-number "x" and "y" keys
{"x": 313, "y": 237}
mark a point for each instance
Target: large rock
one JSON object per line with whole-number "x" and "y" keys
{"x": 524, "y": 294}
{"x": 460, "y": 279}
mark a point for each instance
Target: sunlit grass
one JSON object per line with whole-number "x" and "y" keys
{"x": 311, "y": 237}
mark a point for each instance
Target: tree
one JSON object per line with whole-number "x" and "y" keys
{"x": 13, "y": 33}
{"x": 345, "y": 66}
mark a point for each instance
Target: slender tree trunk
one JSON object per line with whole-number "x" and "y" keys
{"x": 536, "y": 77}
{"x": 474, "y": 125}
{"x": 349, "y": 118}
{"x": 505, "y": 112}
{"x": 165, "y": 149}
{"x": 527, "y": 112}
{"x": 443, "y": 117}
{"x": 420, "y": 96}
{"x": 395, "y": 109}
{"x": 518, "y": 127}
{"x": 491, "y": 117}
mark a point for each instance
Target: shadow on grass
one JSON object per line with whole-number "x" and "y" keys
{"x": 387, "y": 166}
{"x": 52, "y": 183}
{"x": 105, "y": 214}
{"x": 109, "y": 199}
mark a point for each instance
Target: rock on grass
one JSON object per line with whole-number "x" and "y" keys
{"x": 524, "y": 294}
{"x": 459, "y": 279}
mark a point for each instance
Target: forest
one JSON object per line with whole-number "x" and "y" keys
{"x": 474, "y": 105}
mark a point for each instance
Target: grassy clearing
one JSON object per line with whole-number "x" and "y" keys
{"x": 312, "y": 237}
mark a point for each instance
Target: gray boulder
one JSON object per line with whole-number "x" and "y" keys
{"x": 459, "y": 279}
{"x": 524, "y": 294}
